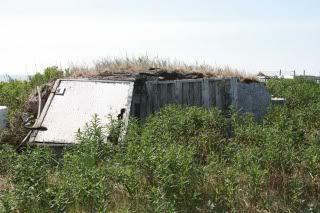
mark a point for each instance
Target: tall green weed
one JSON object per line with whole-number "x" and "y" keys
{"x": 182, "y": 159}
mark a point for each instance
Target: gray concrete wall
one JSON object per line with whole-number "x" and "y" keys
{"x": 253, "y": 98}
{"x": 150, "y": 96}
{"x": 3, "y": 116}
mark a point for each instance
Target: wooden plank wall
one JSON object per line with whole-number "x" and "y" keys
{"x": 197, "y": 92}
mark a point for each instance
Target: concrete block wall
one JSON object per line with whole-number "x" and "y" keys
{"x": 3, "y": 116}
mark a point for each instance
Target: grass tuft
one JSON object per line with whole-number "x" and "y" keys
{"x": 129, "y": 65}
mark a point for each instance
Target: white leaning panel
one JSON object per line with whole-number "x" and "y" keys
{"x": 75, "y": 103}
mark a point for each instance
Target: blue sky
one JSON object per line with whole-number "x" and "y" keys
{"x": 250, "y": 35}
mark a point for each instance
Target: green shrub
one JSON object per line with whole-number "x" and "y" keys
{"x": 182, "y": 159}
{"x": 50, "y": 74}
{"x": 30, "y": 174}
{"x": 14, "y": 94}
{"x": 7, "y": 158}
{"x": 298, "y": 92}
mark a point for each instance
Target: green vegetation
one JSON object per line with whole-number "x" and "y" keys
{"x": 14, "y": 95}
{"x": 180, "y": 160}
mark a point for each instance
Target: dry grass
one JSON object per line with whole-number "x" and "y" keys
{"x": 4, "y": 183}
{"x": 133, "y": 65}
